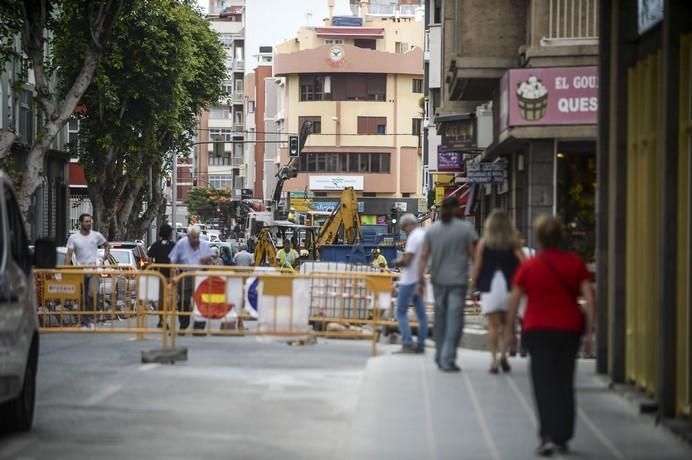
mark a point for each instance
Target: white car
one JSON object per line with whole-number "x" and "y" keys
{"x": 19, "y": 340}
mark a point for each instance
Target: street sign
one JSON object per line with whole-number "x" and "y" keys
{"x": 210, "y": 297}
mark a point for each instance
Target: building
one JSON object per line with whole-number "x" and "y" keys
{"x": 645, "y": 201}
{"x": 359, "y": 81}
{"x": 532, "y": 66}
{"x": 19, "y": 112}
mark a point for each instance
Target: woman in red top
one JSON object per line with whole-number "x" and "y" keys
{"x": 552, "y": 328}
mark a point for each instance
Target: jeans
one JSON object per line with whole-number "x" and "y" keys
{"x": 406, "y": 292}
{"x": 90, "y": 291}
{"x": 449, "y": 322}
{"x": 553, "y": 356}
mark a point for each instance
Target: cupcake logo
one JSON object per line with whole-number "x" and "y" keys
{"x": 532, "y": 99}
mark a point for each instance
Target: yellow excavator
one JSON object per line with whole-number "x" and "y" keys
{"x": 344, "y": 215}
{"x": 265, "y": 251}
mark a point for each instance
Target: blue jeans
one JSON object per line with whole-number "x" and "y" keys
{"x": 406, "y": 292}
{"x": 449, "y": 322}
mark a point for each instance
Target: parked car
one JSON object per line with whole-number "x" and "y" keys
{"x": 138, "y": 249}
{"x": 19, "y": 338}
{"x": 61, "y": 252}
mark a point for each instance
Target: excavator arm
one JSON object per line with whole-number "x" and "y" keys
{"x": 289, "y": 171}
{"x": 346, "y": 216}
{"x": 265, "y": 249}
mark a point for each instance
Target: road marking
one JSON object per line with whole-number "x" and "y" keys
{"x": 429, "y": 432}
{"x": 13, "y": 447}
{"x": 101, "y": 396}
{"x": 148, "y": 367}
{"x": 526, "y": 406}
{"x": 600, "y": 435}
{"x": 481, "y": 419}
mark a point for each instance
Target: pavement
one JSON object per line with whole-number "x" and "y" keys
{"x": 244, "y": 398}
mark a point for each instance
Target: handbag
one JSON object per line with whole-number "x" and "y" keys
{"x": 565, "y": 285}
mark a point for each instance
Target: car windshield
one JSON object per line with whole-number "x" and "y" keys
{"x": 122, "y": 256}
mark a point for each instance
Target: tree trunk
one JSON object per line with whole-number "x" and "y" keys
{"x": 7, "y": 138}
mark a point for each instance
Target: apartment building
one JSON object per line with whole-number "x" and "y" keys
{"x": 225, "y": 121}
{"x": 359, "y": 81}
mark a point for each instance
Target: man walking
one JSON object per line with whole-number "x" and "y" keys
{"x": 158, "y": 253}
{"x": 449, "y": 245}
{"x": 190, "y": 250}
{"x": 84, "y": 245}
{"x": 407, "y": 286}
{"x": 244, "y": 258}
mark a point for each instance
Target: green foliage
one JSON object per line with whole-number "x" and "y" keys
{"x": 204, "y": 203}
{"x": 162, "y": 65}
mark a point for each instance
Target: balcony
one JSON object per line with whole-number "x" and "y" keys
{"x": 238, "y": 64}
{"x": 570, "y": 22}
{"x": 238, "y": 97}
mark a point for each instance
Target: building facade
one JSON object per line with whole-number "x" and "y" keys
{"x": 644, "y": 201}
{"x": 359, "y": 81}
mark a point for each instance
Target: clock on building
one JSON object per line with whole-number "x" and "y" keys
{"x": 336, "y": 55}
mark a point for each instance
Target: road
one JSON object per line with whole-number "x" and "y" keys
{"x": 239, "y": 398}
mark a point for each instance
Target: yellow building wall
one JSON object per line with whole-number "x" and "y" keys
{"x": 643, "y": 202}
{"x": 683, "y": 404}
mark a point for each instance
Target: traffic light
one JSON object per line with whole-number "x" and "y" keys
{"x": 194, "y": 182}
{"x": 394, "y": 215}
{"x": 293, "y": 147}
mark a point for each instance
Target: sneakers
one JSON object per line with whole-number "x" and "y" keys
{"x": 450, "y": 369}
{"x": 406, "y": 350}
{"x": 546, "y": 449}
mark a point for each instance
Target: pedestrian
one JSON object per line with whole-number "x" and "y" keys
{"x": 552, "y": 328}
{"x": 408, "y": 280}
{"x": 287, "y": 256}
{"x": 158, "y": 253}
{"x": 379, "y": 261}
{"x": 190, "y": 250}
{"x": 244, "y": 258}
{"x": 84, "y": 244}
{"x": 226, "y": 256}
{"x": 447, "y": 248}
{"x": 498, "y": 256}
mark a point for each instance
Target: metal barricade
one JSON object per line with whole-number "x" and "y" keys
{"x": 100, "y": 299}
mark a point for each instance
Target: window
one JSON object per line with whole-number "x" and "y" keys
{"x": 316, "y": 124}
{"x": 367, "y": 43}
{"x": 219, "y": 113}
{"x": 238, "y": 117}
{"x": 224, "y": 160}
{"x": 343, "y": 87}
{"x": 226, "y": 40}
{"x": 26, "y": 117}
{"x": 437, "y": 12}
{"x": 417, "y": 85}
{"x": 250, "y": 106}
{"x": 227, "y": 87}
{"x": 344, "y": 162}
{"x": 333, "y": 41}
{"x": 416, "y": 124}
{"x": 220, "y": 182}
{"x": 226, "y": 133}
{"x": 73, "y": 136}
{"x": 402, "y": 47}
{"x": 372, "y": 125}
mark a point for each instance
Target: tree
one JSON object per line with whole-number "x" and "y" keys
{"x": 35, "y": 23}
{"x": 210, "y": 203}
{"x": 162, "y": 66}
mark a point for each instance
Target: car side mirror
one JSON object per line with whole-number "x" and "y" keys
{"x": 45, "y": 254}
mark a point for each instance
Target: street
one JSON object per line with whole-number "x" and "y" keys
{"x": 238, "y": 397}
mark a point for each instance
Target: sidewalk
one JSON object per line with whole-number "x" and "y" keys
{"x": 410, "y": 410}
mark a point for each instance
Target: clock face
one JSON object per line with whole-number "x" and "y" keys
{"x": 336, "y": 54}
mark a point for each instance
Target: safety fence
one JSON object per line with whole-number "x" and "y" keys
{"x": 353, "y": 302}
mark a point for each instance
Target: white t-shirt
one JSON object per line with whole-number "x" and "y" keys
{"x": 85, "y": 247}
{"x": 414, "y": 245}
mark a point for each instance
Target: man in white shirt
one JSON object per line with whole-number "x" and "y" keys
{"x": 85, "y": 245}
{"x": 408, "y": 282}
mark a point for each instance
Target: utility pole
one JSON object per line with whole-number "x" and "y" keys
{"x": 174, "y": 194}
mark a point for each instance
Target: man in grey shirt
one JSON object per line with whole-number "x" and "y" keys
{"x": 448, "y": 248}
{"x": 244, "y": 258}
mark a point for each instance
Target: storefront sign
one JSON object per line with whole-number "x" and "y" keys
{"x": 449, "y": 161}
{"x": 458, "y": 135}
{"x": 401, "y": 206}
{"x": 347, "y": 21}
{"x": 486, "y": 173}
{"x": 336, "y": 182}
{"x": 549, "y": 96}
{"x": 332, "y": 205}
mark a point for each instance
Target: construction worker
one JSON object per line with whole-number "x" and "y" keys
{"x": 379, "y": 261}
{"x": 292, "y": 215}
{"x": 287, "y": 255}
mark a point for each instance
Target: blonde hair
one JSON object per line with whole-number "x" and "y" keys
{"x": 548, "y": 231}
{"x": 499, "y": 231}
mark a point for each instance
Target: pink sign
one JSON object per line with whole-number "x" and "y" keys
{"x": 549, "y": 96}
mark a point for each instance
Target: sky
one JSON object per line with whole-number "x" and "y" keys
{"x": 270, "y": 22}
